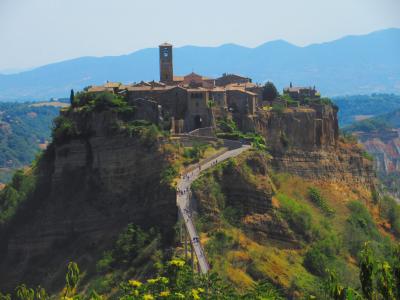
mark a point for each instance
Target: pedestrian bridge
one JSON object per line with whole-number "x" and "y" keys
{"x": 184, "y": 195}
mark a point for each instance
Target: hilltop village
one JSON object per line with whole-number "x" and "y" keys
{"x": 194, "y": 101}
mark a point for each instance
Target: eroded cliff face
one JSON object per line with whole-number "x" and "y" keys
{"x": 304, "y": 141}
{"x": 346, "y": 165}
{"x": 96, "y": 184}
{"x": 302, "y": 128}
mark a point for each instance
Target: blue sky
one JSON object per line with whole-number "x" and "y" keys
{"x": 37, "y": 32}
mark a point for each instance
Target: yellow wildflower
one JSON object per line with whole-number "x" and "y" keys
{"x": 195, "y": 294}
{"x": 164, "y": 280}
{"x": 179, "y": 296}
{"x": 177, "y": 263}
{"x": 165, "y": 294}
{"x": 135, "y": 283}
{"x": 152, "y": 281}
{"x": 148, "y": 297}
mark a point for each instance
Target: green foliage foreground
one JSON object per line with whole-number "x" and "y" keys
{"x": 379, "y": 279}
{"x": 175, "y": 281}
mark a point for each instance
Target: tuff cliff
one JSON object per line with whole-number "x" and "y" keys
{"x": 306, "y": 128}
{"x": 90, "y": 186}
{"x": 305, "y": 141}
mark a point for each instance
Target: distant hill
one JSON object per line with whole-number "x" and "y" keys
{"x": 24, "y": 128}
{"x": 352, "y": 65}
{"x": 358, "y": 107}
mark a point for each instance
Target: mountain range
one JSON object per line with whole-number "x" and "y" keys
{"x": 351, "y": 65}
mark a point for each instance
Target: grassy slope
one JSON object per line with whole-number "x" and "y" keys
{"x": 242, "y": 260}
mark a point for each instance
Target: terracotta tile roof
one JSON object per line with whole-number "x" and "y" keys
{"x": 241, "y": 85}
{"x": 179, "y": 78}
{"x": 241, "y": 90}
{"x": 149, "y": 88}
{"x": 112, "y": 84}
{"x": 98, "y": 89}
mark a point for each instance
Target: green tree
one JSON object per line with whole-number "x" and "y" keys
{"x": 24, "y": 293}
{"x": 396, "y": 270}
{"x": 72, "y": 278}
{"x": 269, "y": 92}
{"x": 72, "y": 97}
{"x": 385, "y": 284}
{"x": 366, "y": 271}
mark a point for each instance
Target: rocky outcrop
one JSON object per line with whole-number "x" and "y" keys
{"x": 339, "y": 165}
{"x": 305, "y": 128}
{"x": 96, "y": 184}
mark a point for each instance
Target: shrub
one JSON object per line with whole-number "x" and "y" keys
{"x": 315, "y": 261}
{"x": 232, "y": 215}
{"x": 105, "y": 263}
{"x": 63, "y": 130}
{"x": 219, "y": 243}
{"x": 168, "y": 174}
{"x": 390, "y": 210}
{"x": 360, "y": 227}
{"x": 278, "y": 108}
{"x": 196, "y": 152}
{"x": 14, "y": 194}
{"x": 297, "y": 215}
{"x": 320, "y": 201}
{"x": 367, "y": 155}
{"x": 321, "y": 254}
{"x": 102, "y": 101}
{"x": 227, "y": 125}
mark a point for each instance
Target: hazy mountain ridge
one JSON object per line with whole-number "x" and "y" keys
{"x": 354, "y": 64}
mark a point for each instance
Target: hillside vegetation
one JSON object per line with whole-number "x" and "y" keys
{"x": 23, "y": 127}
{"x": 356, "y": 107}
{"x": 311, "y": 230}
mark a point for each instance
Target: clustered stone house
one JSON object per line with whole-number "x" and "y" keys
{"x": 188, "y": 102}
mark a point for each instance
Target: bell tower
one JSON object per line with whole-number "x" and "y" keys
{"x": 166, "y": 66}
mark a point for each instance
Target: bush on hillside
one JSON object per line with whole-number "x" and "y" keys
{"x": 14, "y": 194}
{"x": 321, "y": 254}
{"x": 63, "y": 130}
{"x": 220, "y": 243}
{"x": 297, "y": 215}
{"x": 360, "y": 227}
{"x": 390, "y": 210}
{"x": 316, "y": 197}
{"x": 102, "y": 101}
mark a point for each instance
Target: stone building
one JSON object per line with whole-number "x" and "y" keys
{"x": 191, "y": 101}
{"x": 226, "y": 79}
{"x": 195, "y": 101}
{"x": 301, "y": 93}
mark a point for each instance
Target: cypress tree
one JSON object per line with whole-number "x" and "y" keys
{"x": 71, "y": 97}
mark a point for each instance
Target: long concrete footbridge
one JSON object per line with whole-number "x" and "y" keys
{"x": 184, "y": 196}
